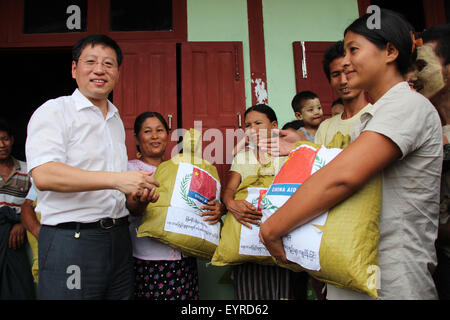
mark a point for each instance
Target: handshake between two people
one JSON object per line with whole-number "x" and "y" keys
{"x": 140, "y": 188}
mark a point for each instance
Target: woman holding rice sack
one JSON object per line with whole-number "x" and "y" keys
{"x": 251, "y": 280}
{"x": 401, "y": 138}
{"x": 161, "y": 272}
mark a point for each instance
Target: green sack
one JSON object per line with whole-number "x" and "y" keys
{"x": 186, "y": 183}
{"x": 231, "y": 250}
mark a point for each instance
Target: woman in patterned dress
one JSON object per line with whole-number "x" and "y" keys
{"x": 161, "y": 272}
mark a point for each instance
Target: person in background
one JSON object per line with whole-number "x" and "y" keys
{"x": 432, "y": 69}
{"x": 307, "y": 108}
{"x": 16, "y": 281}
{"x": 337, "y": 106}
{"x": 411, "y": 77}
{"x": 295, "y": 125}
{"x": 399, "y": 137}
{"x": 76, "y": 154}
{"x": 29, "y": 217}
{"x": 251, "y": 280}
{"x": 432, "y": 72}
{"x": 30, "y": 220}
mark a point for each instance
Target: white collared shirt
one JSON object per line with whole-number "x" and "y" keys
{"x": 71, "y": 130}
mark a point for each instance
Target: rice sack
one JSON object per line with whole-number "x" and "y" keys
{"x": 340, "y": 246}
{"x": 187, "y": 182}
{"x": 238, "y": 243}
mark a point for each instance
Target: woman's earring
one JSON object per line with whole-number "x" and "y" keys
{"x": 138, "y": 155}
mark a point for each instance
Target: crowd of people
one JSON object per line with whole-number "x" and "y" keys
{"x": 85, "y": 200}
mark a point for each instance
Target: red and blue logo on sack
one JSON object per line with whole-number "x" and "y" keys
{"x": 291, "y": 175}
{"x": 202, "y": 187}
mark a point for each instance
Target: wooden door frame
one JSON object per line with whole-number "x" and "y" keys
{"x": 239, "y": 72}
{"x": 167, "y": 90}
{"x": 257, "y": 49}
{"x": 230, "y": 119}
{"x": 12, "y": 16}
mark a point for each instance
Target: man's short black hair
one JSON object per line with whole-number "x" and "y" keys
{"x": 440, "y": 34}
{"x": 4, "y": 126}
{"x": 300, "y": 97}
{"x": 333, "y": 52}
{"x": 94, "y": 39}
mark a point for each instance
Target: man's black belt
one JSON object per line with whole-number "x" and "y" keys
{"x": 106, "y": 223}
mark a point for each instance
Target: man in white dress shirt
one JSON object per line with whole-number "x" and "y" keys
{"x": 77, "y": 157}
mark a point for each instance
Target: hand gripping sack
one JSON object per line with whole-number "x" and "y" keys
{"x": 340, "y": 246}
{"x": 187, "y": 182}
{"x": 239, "y": 244}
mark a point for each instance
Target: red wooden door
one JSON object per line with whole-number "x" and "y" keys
{"x": 309, "y": 73}
{"x": 147, "y": 82}
{"x": 213, "y": 95}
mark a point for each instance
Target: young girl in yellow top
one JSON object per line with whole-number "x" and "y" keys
{"x": 251, "y": 280}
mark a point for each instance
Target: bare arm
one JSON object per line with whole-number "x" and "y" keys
{"x": 335, "y": 182}
{"x": 29, "y": 219}
{"x": 60, "y": 177}
{"x": 137, "y": 202}
{"x": 282, "y": 144}
{"x": 230, "y": 189}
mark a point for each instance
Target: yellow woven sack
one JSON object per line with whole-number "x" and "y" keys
{"x": 339, "y": 247}
{"x": 231, "y": 250}
{"x": 186, "y": 183}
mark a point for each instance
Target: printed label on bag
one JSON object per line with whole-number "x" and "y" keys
{"x": 193, "y": 189}
{"x": 303, "y": 244}
{"x": 249, "y": 241}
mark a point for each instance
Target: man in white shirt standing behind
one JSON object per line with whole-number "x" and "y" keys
{"x": 77, "y": 157}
